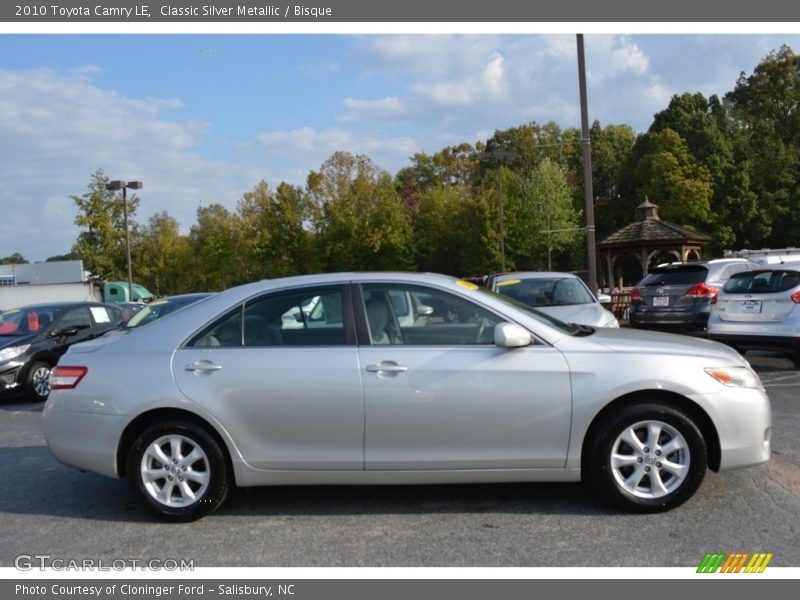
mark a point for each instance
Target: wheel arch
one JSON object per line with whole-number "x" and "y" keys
{"x": 698, "y": 415}
{"x": 151, "y": 417}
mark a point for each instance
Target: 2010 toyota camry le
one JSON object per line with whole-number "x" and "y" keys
{"x": 398, "y": 378}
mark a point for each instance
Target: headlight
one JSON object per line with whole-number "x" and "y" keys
{"x": 735, "y": 376}
{"x": 13, "y": 352}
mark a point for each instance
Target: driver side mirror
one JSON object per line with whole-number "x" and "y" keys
{"x": 424, "y": 310}
{"x": 604, "y": 298}
{"x": 511, "y": 335}
{"x": 59, "y": 333}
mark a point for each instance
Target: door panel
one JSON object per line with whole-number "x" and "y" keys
{"x": 441, "y": 395}
{"x": 281, "y": 373}
{"x": 285, "y": 407}
{"x": 465, "y": 407}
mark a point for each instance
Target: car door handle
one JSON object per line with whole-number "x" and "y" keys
{"x": 386, "y": 367}
{"x": 203, "y": 366}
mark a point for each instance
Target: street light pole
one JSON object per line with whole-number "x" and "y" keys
{"x": 124, "y": 185}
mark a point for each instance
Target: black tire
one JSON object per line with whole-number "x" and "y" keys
{"x": 642, "y": 478}
{"x": 37, "y": 384}
{"x": 196, "y": 477}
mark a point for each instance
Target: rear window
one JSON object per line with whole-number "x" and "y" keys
{"x": 763, "y": 282}
{"x": 685, "y": 275}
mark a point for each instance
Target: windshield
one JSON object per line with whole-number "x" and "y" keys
{"x": 568, "y": 328}
{"x": 159, "y": 308}
{"x": 18, "y": 322}
{"x": 546, "y": 291}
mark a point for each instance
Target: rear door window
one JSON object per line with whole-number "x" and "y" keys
{"x": 763, "y": 282}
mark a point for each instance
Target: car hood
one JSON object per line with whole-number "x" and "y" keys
{"x": 7, "y": 341}
{"x": 653, "y": 342}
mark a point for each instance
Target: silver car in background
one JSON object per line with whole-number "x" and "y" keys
{"x": 560, "y": 295}
{"x": 759, "y": 309}
{"x": 227, "y": 392}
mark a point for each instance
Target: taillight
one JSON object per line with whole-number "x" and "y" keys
{"x": 796, "y": 297}
{"x": 66, "y": 378}
{"x": 701, "y": 290}
{"x": 635, "y": 295}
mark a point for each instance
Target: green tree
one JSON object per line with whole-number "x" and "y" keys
{"x": 669, "y": 175}
{"x": 274, "y": 239}
{"x": 13, "y": 259}
{"x": 554, "y": 220}
{"x": 712, "y": 137}
{"x": 764, "y": 107}
{"x": 360, "y": 220}
{"x": 611, "y": 146}
{"x": 213, "y": 240}
{"x": 60, "y": 257}
{"x": 100, "y": 218}
{"x": 163, "y": 257}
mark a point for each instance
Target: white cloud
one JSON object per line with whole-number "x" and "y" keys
{"x": 309, "y": 147}
{"x": 389, "y": 105}
{"x": 57, "y": 129}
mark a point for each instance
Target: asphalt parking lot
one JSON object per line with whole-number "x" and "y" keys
{"x": 47, "y": 508}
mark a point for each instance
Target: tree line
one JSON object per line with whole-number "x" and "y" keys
{"x": 728, "y": 167}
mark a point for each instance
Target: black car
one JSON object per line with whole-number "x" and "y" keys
{"x": 677, "y": 296}
{"x": 34, "y": 337}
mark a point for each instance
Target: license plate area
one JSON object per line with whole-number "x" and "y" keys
{"x": 660, "y": 301}
{"x": 750, "y": 307}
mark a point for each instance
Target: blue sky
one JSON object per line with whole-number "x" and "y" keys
{"x": 204, "y": 118}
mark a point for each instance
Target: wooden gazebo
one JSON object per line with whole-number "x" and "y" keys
{"x": 648, "y": 238}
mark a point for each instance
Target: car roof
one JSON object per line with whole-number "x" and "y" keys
{"x": 56, "y": 305}
{"x": 534, "y": 275}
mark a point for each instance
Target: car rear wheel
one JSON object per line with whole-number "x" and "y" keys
{"x": 37, "y": 385}
{"x": 648, "y": 457}
{"x": 178, "y": 470}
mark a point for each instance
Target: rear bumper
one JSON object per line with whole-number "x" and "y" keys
{"x": 757, "y": 341}
{"x": 668, "y": 320}
{"x": 84, "y": 440}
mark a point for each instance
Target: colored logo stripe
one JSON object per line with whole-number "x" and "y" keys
{"x": 735, "y": 562}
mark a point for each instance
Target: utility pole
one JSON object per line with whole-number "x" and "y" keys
{"x": 588, "y": 194}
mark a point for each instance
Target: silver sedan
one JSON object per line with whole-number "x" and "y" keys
{"x": 223, "y": 393}
{"x": 560, "y": 295}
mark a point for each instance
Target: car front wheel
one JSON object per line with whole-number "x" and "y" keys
{"x": 37, "y": 386}
{"x": 178, "y": 471}
{"x": 648, "y": 457}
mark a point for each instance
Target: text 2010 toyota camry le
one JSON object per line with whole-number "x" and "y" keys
{"x": 394, "y": 378}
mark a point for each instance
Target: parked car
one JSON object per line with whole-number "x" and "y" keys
{"x": 677, "y": 296}
{"x": 562, "y": 295}
{"x": 222, "y": 394}
{"x": 759, "y": 309}
{"x": 130, "y": 308}
{"x": 162, "y": 307}
{"x": 34, "y": 337}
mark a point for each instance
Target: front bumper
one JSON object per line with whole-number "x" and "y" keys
{"x": 743, "y": 419}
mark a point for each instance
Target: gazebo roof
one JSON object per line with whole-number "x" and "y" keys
{"x": 650, "y": 229}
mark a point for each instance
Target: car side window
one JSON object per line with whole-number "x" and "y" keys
{"x": 76, "y": 318}
{"x": 309, "y": 317}
{"x": 414, "y": 315}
